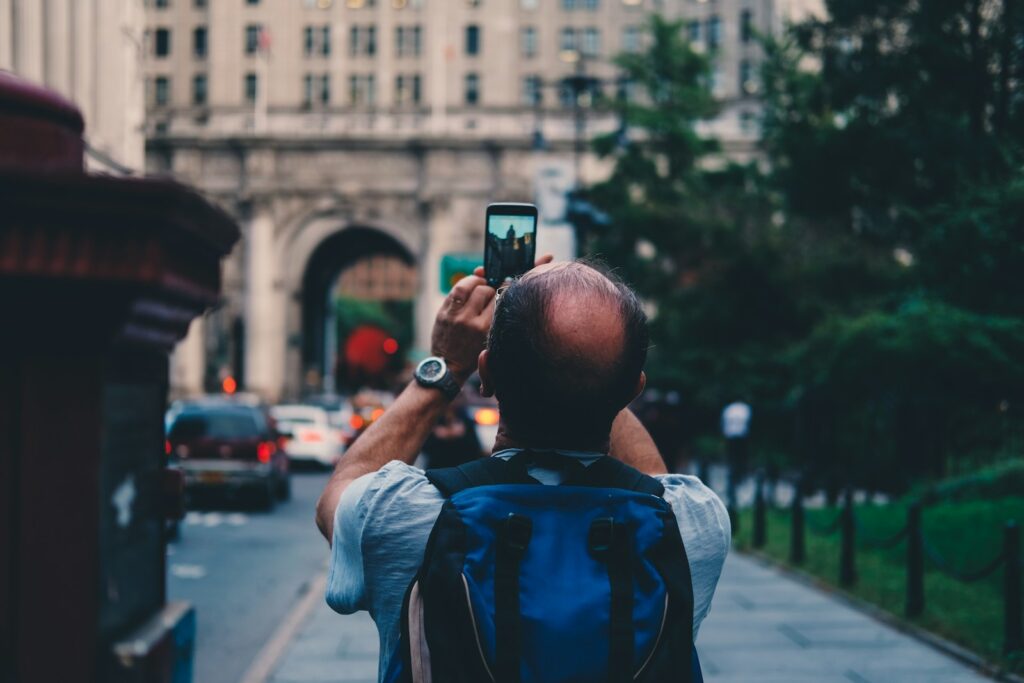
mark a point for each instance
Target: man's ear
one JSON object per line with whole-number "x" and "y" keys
{"x": 641, "y": 382}
{"x": 486, "y": 387}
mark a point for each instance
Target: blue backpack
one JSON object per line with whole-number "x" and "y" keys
{"x": 585, "y": 582}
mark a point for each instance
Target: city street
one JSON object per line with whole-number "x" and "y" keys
{"x": 243, "y": 571}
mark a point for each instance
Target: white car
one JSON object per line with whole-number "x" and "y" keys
{"x": 308, "y": 434}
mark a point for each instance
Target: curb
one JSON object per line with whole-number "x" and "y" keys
{"x": 270, "y": 654}
{"x": 934, "y": 641}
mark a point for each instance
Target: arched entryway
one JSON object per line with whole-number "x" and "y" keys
{"x": 360, "y": 248}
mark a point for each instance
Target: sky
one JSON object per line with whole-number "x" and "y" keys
{"x": 499, "y": 224}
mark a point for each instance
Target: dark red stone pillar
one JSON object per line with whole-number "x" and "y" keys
{"x": 99, "y": 278}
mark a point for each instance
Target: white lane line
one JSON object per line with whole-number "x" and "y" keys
{"x": 272, "y": 652}
{"x": 236, "y": 519}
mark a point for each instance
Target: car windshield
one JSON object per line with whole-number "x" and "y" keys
{"x": 214, "y": 425}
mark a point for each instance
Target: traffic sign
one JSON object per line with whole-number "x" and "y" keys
{"x": 454, "y": 267}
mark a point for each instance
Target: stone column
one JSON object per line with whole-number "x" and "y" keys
{"x": 264, "y": 308}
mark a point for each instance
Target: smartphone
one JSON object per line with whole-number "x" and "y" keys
{"x": 510, "y": 243}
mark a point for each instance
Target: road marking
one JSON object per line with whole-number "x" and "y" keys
{"x": 271, "y": 653}
{"x": 215, "y": 519}
{"x": 188, "y": 571}
{"x": 236, "y": 519}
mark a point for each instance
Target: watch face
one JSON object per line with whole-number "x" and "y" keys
{"x": 431, "y": 370}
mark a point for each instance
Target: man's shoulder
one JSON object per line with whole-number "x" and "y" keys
{"x": 396, "y": 484}
{"x": 703, "y": 517}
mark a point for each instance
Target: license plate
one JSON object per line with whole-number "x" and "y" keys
{"x": 212, "y": 477}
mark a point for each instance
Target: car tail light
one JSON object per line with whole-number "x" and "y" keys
{"x": 282, "y": 442}
{"x": 167, "y": 446}
{"x": 357, "y": 422}
{"x": 487, "y": 417}
{"x": 311, "y": 436}
{"x": 375, "y": 415}
{"x": 264, "y": 450}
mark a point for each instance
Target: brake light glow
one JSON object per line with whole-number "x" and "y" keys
{"x": 282, "y": 442}
{"x": 486, "y": 416}
{"x": 311, "y": 437}
{"x": 357, "y": 422}
{"x": 375, "y": 415}
{"x": 167, "y": 446}
{"x": 264, "y": 450}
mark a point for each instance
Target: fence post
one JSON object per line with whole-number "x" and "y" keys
{"x": 796, "y": 534}
{"x": 915, "y": 562}
{"x": 759, "y": 511}
{"x": 1012, "y": 627}
{"x": 847, "y": 562}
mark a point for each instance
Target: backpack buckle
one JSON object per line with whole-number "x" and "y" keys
{"x": 602, "y": 531}
{"x": 517, "y": 532}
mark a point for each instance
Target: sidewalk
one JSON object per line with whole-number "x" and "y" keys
{"x": 763, "y": 627}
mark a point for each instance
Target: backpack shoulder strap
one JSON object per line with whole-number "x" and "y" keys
{"x": 483, "y": 472}
{"x": 609, "y": 472}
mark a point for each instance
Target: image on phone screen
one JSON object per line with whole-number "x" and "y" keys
{"x": 511, "y": 243}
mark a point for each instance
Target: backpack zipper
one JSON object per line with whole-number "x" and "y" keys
{"x": 476, "y": 632}
{"x": 657, "y": 641}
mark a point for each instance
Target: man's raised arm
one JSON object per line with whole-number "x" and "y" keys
{"x": 632, "y": 444}
{"x": 459, "y": 334}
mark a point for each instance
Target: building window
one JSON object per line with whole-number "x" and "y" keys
{"x": 748, "y": 82}
{"x": 591, "y": 5}
{"x": 746, "y": 26}
{"x": 325, "y": 90}
{"x": 399, "y": 41}
{"x": 307, "y": 41}
{"x": 567, "y": 40}
{"x": 161, "y": 4}
{"x": 568, "y": 5}
{"x": 566, "y": 94}
{"x": 251, "y": 88}
{"x": 362, "y": 90}
{"x": 325, "y": 41}
{"x": 252, "y": 3}
{"x": 528, "y": 41}
{"x": 252, "y": 38}
{"x": 161, "y": 91}
{"x": 408, "y": 41}
{"x": 591, "y": 42}
{"x": 199, "y": 3}
{"x": 417, "y": 41}
{"x": 199, "y": 42}
{"x": 472, "y": 90}
{"x": 407, "y": 90}
{"x": 472, "y": 39}
{"x": 714, "y": 32}
{"x": 307, "y": 91}
{"x": 631, "y": 39}
{"x": 199, "y": 89}
{"x": 532, "y": 93}
{"x": 693, "y": 31}
{"x": 162, "y": 44}
{"x": 362, "y": 40}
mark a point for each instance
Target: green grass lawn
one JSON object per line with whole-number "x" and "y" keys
{"x": 968, "y": 534}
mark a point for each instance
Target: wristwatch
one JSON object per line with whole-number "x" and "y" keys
{"x": 433, "y": 373}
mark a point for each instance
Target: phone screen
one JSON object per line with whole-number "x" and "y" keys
{"x": 511, "y": 241}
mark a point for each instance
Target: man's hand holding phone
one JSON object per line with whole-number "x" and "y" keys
{"x": 461, "y": 327}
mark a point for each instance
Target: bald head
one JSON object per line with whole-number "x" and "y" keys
{"x": 565, "y": 354}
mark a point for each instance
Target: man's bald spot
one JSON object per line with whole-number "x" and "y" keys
{"x": 584, "y": 315}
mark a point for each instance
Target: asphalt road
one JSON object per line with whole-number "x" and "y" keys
{"x": 243, "y": 571}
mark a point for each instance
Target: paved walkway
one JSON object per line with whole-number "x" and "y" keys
{"x": 763, "y": 628}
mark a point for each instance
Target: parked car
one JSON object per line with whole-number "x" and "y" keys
{"x": 307, "y": 434}
{"x": 228, "y": 447}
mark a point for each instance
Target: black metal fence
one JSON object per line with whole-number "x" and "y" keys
{"x": 919, "y": 552}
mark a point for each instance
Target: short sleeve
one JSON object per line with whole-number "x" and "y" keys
{"x": 707, "y": 534}
{"x": 345, "y": 579}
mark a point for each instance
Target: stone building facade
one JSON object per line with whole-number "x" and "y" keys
{"x": 340, "y": 129}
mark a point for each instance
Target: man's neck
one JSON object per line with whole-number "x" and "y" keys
{"x": 504, "y": 440}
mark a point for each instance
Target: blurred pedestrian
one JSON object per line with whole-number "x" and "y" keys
{"x": 453, "y": 441}
{"x": 735, "y": 429}
{"x": 567, "y": 521}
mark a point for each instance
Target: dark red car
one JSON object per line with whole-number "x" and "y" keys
{"x": 229, "y": 447}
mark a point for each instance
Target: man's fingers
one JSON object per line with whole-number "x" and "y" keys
{"x": 479, "y": 299}
{"x": 545, "y": 258}
{"x": 463, "y": 289}
{"x": 478, "y": 271}
{"x": 487, "y": 314}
